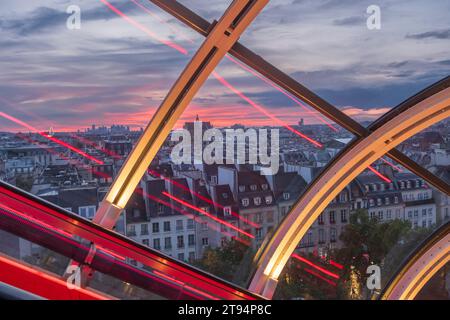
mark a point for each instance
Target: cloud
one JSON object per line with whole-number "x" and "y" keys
{"x": 437, "y": 34}
{"x": 350, "y": 21}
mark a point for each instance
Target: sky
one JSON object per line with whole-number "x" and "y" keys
{"x": 112, "y": 71}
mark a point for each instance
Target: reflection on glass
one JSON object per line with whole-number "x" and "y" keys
{"x": 430, "y": 148}
{"x": 237, "y": 160}
{"x": 438, "y": 288}
{"x": 363, "y": 236}
{"x": 74, "y": 99}
{"x": 365, "y": 72}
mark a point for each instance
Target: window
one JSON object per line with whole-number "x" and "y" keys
{"x": 181, "y": 256}
{"x": 264, "y": 186}
{"x": 286, "y": 195}
{"x": 155, "y": 227}
{"x": 167, "y": 243}
{"x": 333, "y": 235}
{"x": 191, "y": 240}
{"x": 166, "y": 226}
{"x": 157, "y": 244}
{"x": 146, "y": 242}
{"x": 321, "y": 236}
{"x": 253, "y": 187}
{"x": 204, "y": 226}
{"x": 257, "y": 201}
{"x": 144, "y": 229}
{"x": 227, "y": 211}
{"x": 258, "y": 217}
{"x": 395, "y": 199}
{"x": 379, "y": 202}
{"x": 269, "y": 199}
{"x": 180, "y": 242}
{"x": 214, "y": 179}
{"x": 205, "y": 242}
{"x": 270, "y": 216}
{"x": 258, "y": 233}
{"x": 332, "y": 216}
{"x": 179, "y": 225}
{"x": 387, "y": 201}
{"x": 241, "y": 188}
{"x": 381, "y": 215}
{"x": 389, "y": 214}
{"x": 191, "y": 256}
{"x": 424, "y": 212}
{"x": 320, "y": 219}
{"x": 190, "y": 224}
{"x": 160, "y": 208}
{"x": 245, "y": 202}
{"x": 131, "y": 230}
{"x": 87, "y": 212}
{"x": 343, "y": 216}
{"x": 372, "y": 215}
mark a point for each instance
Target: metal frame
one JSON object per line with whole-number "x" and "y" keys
{"x": 33, "y": 209}
{"x": 219, "y": 40}
{"x": 349, "y": 164}
{"x": 299, "y": 91}
{"x": 420, "y": 266}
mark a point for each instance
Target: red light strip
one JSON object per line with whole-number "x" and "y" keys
{"x": 208, "y": 215}
{"x": 320, "y": 277}
{"x": 273, "y": 85}
{"x": 60, "y": 142}
{"x": 337, "y": 265}
{"x": 36, "y": 221}
{"x": 196, "y": 219}
{"x": 179, "y": 185}
{"x": 23, "y": 269}
{"x": 221, "y": 80}
{"x": 144, "y": 28}
{"x": 384, "y": 178}
{"x": 392, "y": 165}
{"x": 262, "y": 110}
{"x": 323, "y": 270}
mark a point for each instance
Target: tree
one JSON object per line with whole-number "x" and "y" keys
{"x": 228, "y": 261}
{"x": 367, "y": 241}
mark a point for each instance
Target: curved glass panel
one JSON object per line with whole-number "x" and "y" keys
{"x": 438, "y": 288}
{"x": 78, "y": 84}
{"x": 359, "y": 241}
{"x": 237, "y": 160}
{"x": 363, "y": 70}
{"x": 431, "y": 149}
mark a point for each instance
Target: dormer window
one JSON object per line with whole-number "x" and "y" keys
{"x": 374, "y": 187}
{"x": 241, "y": 188}
{"x": 253, "y": 187}
{"x": 379, "y": 201}
{"x": 227, "y": 211}
{"x": 396, "y": 199}
{"x": 264, "y": 186}
{"x": 225, "y": 195}
{"x": 286, "y": 195}
{"x": 371, "y": 202}
{"x": 367, "y": 188}
{"x": 386, "y": 200}
{"x": 257, "y": 201}
{"x": 269, "y": 199}
{"x": 245, "y": 202}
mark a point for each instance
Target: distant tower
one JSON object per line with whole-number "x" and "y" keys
{"x": 197, "y": 118}
{"x": 302, "y": 122}
{"x": 50, "y": 132}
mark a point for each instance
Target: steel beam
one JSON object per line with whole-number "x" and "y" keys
{"x": 302, "y": 93}
{"x": 355, "y": 159}
{"x": 420, "y": 266}
{"x": 221, "y": 37}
